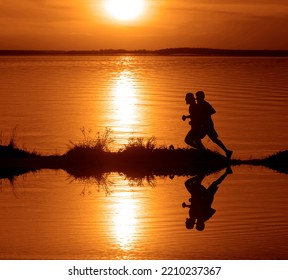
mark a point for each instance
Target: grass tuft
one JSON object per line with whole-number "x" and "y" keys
{"x": 136, "y": 144}
{"x": 96, "y": 142}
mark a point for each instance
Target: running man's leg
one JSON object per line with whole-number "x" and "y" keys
{"x": 189, "y": 139}
{"x": 213, "y": 135}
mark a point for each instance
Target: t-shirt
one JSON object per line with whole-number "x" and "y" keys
{"x": 205, "y": 110}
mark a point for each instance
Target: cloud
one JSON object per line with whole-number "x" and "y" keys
{"x": 169, "y": 23}
{"x": 39, "y": 11}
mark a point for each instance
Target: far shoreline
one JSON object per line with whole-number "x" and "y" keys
{"x": 144, "y": 52}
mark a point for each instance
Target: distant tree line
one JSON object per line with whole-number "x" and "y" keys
{"x": 162, "y": 52}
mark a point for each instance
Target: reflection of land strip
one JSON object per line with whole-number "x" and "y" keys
{"x": 139, "y": 163}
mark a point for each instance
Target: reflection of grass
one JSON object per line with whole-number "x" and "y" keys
{"x": 97, "y": 182}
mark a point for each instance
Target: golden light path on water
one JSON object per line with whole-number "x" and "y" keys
{"x": 124, "y": 96}
{"x": 124, "y": 119}
{"x": 125, "y": 209}
{"x": 125, "y": 221}
{"x": 123, "y": 216}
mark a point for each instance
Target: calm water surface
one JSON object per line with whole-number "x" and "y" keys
{"x": 49, "y": 99}
{"x": 48, "y": 215}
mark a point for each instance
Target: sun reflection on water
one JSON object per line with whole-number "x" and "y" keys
{"x": 125, "y": 221}
{"x": 124, "y": 103}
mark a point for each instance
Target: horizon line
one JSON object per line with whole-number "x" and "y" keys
{"x": 164, "y": 51}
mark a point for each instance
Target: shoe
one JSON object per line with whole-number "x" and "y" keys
{"x": 229, "y": 154}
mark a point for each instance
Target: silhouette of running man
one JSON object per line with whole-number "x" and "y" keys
{"x": 196, "y": 133}
{"x": 205, "y": 111}
{"x": 200, "y": 208}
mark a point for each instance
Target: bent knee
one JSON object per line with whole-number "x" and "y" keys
{"x": 214, "y": 138}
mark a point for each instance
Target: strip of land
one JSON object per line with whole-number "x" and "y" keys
{"x": 135, "y": 162}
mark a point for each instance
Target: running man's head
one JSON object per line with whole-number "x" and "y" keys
{"x": 200, "y": 96}
{"x": 190, "y": 98}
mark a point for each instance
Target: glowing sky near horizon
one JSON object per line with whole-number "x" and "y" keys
{"x": 78, "y": 24}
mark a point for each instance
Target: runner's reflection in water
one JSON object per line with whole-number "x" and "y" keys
{"x": 201, "y": 200}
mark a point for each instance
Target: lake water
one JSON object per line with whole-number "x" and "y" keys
{"x": 46, "y": 100}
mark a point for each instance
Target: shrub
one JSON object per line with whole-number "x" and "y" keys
{"x": 96, "y": 142}
{"x": 140, "y": 143}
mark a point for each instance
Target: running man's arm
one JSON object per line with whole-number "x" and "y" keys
{"x": 186, "y": 117}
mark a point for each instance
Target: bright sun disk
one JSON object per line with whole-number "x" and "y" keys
{"x": 124, "y": 10}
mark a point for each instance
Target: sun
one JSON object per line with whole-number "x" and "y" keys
{"x": 124, "y": 10}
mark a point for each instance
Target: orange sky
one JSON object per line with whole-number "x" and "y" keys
{"x": 84, "y": 24}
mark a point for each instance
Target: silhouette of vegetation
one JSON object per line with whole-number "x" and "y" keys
{"x": 98, "y": 142}
{"x": 166, "y": 52}
{"x": 138, "y": 144}
{"x": 139, "y": 158}
{"x": 8, "y": 154}
{"x": 277, "y": 162}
